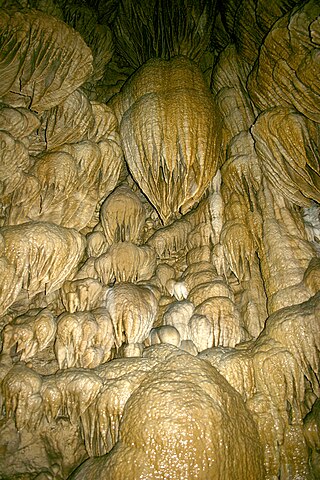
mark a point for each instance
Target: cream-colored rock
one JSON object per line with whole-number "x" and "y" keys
{"x": 170, "y": 240}
{"x": 64, "y": 185}
{"x": 14, "y": 160}
{"x": 271, "y": 431}
{"x": 242, "y": 171}
{"x": 238, "y": 247}
{"x": 193, "y": 278}
{"x": 164, "y": 273}
{"x": 201, "y": 332}
{"x": 200, "y": 236}
{"x": 122, "y": 216}
{"x": 196, "y": 442}
{"x": 5, "y": 365}
{"x": 253, "y": 304}
{"x": 105, "y": 125}
{"x": 42, "y": 255}
{"x": 96, "y": 244}
{"x": 58, "y": 177}
{"x": 228, "y": 85}
{"x": 131, "y": 350}
{"x": 69, "y": 121}
{"x": 214, "y": 228}
{"x": 99, "y": 165}
{"x": 177, "y": 289}
{"x": 178, "y": 315}
{"x": 216, "y": 208}
{"x": 269, "y": 374}
{"x": 224, "y": 317}
{"x": 311, "y": 276}
{"x": 87, "y": 270}
{"x": 311, "y": 222}
{"x": 199, "y": 267}
{"x": 69, "y": 336}
{"x": 289, "y": 161}
{"x": 201, "y": 212}
{"x": 132, "y": 309}
{"x": 216, "y": 288}
{"x": 126, "y": 262}
{"x": 189, "y": 347}
{"x": 71, "y": 391}
{"x": 21, "y": 391}
{"x": 19, "y": 122}
{"x": 278, "y": 435}
{"x": 84, "y": 339}
{"x": 30, "y": 333}
{"x": 219, "y": 260}
{"x": 102, "y": 419}
{"x": 52, "y": 397}
{"x": 24, "y": 200}
{"x": 83, "y": 294}
{"x": 282, "y": 385}
{"x": 104, "y": 337}
{"x": 30, "y": 70}
{"x": 164, "y": 334}
{"x": 297, "y": 329}
{"x": 312, "y": 435}
{"x": 286, "y": 72}
{"x": 199, "y": 254}
{"x": 236, "y": 366}
{"x": 168, "y": 153}
{"x": 285, "y": 254}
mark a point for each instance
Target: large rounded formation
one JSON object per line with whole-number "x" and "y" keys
{"x": 159, "y": 239}
{"x": 192, "y": 417}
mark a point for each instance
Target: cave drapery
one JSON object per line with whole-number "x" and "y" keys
{"x": 159, "y": 239}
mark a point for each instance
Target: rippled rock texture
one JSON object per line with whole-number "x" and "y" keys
{"x": 159, "y": 240}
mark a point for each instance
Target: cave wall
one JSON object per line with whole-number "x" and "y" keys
{"x": 159, "y": 240}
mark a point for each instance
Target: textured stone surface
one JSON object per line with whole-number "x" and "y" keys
{"x": 159, "y": 240}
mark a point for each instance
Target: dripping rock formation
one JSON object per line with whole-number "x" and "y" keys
{"x": 159, "y": 240}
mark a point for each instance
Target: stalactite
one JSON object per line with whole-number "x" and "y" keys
{"x": 159, "y": 240}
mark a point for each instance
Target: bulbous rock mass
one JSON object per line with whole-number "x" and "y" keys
{"x": 159, "y": 240}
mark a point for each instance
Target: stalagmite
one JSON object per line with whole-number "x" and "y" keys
{"x": 159, "y": 240}
{"x": 142, "y": 441}
{"x": 201, "y": 332}
{"x": 164, "y": 334}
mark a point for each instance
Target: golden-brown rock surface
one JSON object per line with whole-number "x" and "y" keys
{"x": 159, "y": 240}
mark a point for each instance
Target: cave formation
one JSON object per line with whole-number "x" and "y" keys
{"x": 159, "y": 239}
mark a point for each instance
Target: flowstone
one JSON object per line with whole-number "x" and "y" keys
{"x": 159, "y": 240}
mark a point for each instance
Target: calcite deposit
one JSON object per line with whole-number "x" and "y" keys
{"x": 159, "y": 240}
